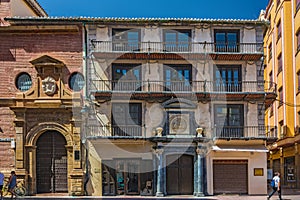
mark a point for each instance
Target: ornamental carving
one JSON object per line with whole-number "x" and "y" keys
{"x": 49, "y": 85}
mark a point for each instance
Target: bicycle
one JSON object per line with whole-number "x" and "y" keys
{"x": 19, "y": 190}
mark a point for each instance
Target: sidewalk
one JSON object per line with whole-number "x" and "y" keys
{"x": 287, "y": 194}
{"x": 218, "y": 197}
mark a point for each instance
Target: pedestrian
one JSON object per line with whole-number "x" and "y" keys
{"x": 276, "y": 186}
{"x": 1, "y": 184}
{"x": 12, "y": 182}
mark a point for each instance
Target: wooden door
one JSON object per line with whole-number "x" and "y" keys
{"x": 51, "y": 163}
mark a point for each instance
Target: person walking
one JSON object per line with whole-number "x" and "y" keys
{"x": 1, "y": 184}
{"x": 12, "y": 182}
{"x": 276, "y": 186}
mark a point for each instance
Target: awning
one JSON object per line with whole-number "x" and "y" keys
{"x": 262, "y": 149}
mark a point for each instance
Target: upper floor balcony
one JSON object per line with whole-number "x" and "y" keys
{"x": 214, "y": 133}
{"x": 177, "y": 50}
{"x": 202, "y": 90}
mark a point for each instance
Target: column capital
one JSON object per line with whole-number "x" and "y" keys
{"x": 158, "y": 151}
{"x": 201, "y": 150}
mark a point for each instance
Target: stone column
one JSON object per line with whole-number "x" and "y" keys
{"x": 199, "y": 179}
{"x": 31, "y": 150}
{"x": 159, "y": 186}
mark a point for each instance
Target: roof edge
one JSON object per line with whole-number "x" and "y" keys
{"x": 137, "y": 20}
{"x": 37, "y": 8}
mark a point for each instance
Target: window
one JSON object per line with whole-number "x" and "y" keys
{"x": 76, "y": 81}
{"x": 278, "y": 30}
{"x": 177, "y": 40}
{"x": 279, "y": 63}
{"x": 177, "y": 77}
{"x": 271, "y": 80}
{"x": 126, "y": 77}
{"x": 281, "y": 129}
{"x": 229, "y": 120}
{"x": 298, "y": 40}
{"x": 228, "y": 78}
{"x": 271, "y": 110}
{"x": 280, "y": 96}
{"x": 126, "y": 40}
{"x": 270, "y": 51}
{"x": 278, "y": 3}
{"x": 227, "y": 40}
{"x": 297, "y": 5}
{"x": 23, "y": 82}
{"x": 298, "y": 82}
{"x": 127, "y": 119}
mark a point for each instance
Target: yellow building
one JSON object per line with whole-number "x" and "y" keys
{"x": 282, "y": 65}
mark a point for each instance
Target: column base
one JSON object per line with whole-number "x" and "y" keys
{"x": 159, "y": 194}
{"x": 199, "y": 194}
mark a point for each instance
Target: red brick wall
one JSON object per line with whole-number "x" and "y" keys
{"x": 16, "y": 52}
{"x": 7, "y": 159}
{"x": 5, "y": 8}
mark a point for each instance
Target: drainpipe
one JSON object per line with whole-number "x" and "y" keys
{"x": 85, "y": 48}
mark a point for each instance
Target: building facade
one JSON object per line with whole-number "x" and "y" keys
{"x": 282, "y": 66}
{"x": 176, "y": 106}
{"x": 40, "y": 99}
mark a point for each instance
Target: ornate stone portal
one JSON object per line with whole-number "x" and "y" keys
{"x": 48, "y": 106}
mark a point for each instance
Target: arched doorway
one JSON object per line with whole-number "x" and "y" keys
{"x": 51, "y": 163}
{"x": 180, "y": 174}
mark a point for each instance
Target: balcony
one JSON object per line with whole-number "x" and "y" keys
{"x": 218, "y": 132}
{"x": 244, "y": 132}
{"x": 203, "y": 90}
{"x": 176, "y": 50}
{"x": 120, "y": 131}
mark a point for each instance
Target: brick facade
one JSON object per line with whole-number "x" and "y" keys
{"x": 43, "y": 50}
{"x": 5, "y": 8}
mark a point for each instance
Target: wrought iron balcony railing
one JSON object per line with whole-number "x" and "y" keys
{"x": 240, "y": 132}
{"x": 136, "y": 86}
{"x": 232, "y": 132}
{"x": 115, "y": 131}
{"x": 176, "y": 47}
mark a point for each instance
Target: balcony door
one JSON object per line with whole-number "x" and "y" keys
{"x": 227, "y": 41}
{"x": 126, "y": 40}
{"x": 177, "y": 40}
{"x": 127, "y": 119}
{"x": 228, "y": 78}
{"x": 229, "y": 121}
{"x": 178, "y": 77}
{"x": 126, "y": 77}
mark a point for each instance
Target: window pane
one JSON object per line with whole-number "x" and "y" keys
{"x": 133, "y": 40}
{"x": 23, "y": 82}
{"x": 221, "y": 38}
{"x": 232, "y": 42}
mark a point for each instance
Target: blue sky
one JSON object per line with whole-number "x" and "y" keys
{"x": 216, "y": 9}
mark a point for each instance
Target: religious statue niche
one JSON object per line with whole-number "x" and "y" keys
{"x": 49, "y": 85}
